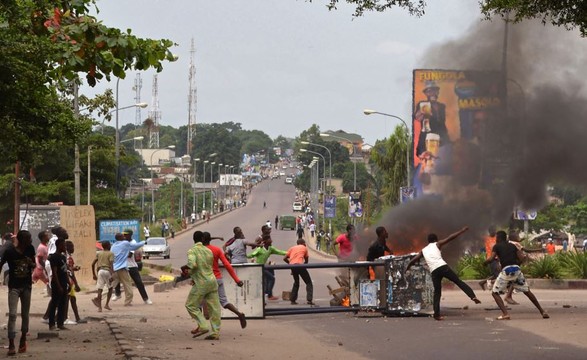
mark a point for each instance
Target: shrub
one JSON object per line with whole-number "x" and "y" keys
{"x": 574, "y": 264}
{"x": 473, "y": 267}
{"x": 547, "y": 267}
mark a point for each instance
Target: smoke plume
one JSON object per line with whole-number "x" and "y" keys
{"x": 544, "y": 131}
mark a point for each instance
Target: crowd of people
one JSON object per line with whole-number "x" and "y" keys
{"x": 115, "y": 268}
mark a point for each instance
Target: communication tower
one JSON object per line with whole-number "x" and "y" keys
{"x": 192, "y": 100}
{"x": 155, "y": 116}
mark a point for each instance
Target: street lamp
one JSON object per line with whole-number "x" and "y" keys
{"x": 369, "y": 112}
{"x": 117, "y": 137}
{"x": 152, "y": 185}
{"x": 194, "y": 204}
{"x": 204, "y": 182}
{"x": 211, "y": 197}
{"x": 354, "y": 162}
{"x": 329, "y": 159}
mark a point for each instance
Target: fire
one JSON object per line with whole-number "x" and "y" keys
{"x": 346, "y": 301}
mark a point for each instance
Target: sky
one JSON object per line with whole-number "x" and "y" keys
{"x": 281, "y": 66}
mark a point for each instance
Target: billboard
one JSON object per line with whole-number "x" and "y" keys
{"x": 329, "y": 206}
{"x": 109, "y": 228}
{"x": 456, "y": 114}
{"x": 231, "y": 180}
{"x": 355, "y": 204}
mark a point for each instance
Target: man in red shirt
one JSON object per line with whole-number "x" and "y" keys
{"x": 550, "y": 248}
{"x": 219, "y": 255}
{"x": 344, "y": 241}
{"x": 298, "y": 254}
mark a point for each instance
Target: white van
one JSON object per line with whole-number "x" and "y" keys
{"x": 288, "y": 180}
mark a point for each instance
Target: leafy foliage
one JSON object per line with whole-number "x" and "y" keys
{"x": 574, "y": 264}
{"x": 546, "y": 267}
{"x": 473, "y": 267}
{"x": 569, "y": 13}
{"x": 390, "y": 157}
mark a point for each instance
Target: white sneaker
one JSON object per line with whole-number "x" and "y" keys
{"x": 148, "y": 302}
{"x": 114, "y": 297}
{"x": 45, "y": 321}
{"x": 69, "y": 322}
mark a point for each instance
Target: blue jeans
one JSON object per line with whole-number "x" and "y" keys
{"x": 269, "y": 281}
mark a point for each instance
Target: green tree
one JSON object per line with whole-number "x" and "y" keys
{"x": 568, "y": 13}
{"x": 389, "y": 157}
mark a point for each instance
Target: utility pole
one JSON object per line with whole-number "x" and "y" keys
{"x": 192, "y": 100}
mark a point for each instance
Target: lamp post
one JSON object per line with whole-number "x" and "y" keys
{"x": 354, "y": 162}
{"x": 195, "y": 203}
{"x": 153, "y": 185}
{"x": 369, "y": 112}
{"x": 211, "y": 197}
{"x": 89, "y": 173}
{"x": 117, "y": 134}
{"x": 329, "y": 178}
{"x": 204, "y": 178}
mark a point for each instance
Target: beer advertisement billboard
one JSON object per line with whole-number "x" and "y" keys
{"x": 454, "y": 114}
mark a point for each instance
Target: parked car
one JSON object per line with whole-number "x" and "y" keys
{"x": 156, "y": 246}
{"x": 287, "y": 222}
{"x": 288, "y": 180}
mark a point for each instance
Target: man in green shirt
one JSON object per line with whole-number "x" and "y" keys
{"x": 261, "y": 255}
{"x": 205, "y": 288}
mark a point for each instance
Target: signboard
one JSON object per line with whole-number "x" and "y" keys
{"x": 80, "y": 223}
{"x": 355, "y": 204}
{"x": 277, "y": 151}
{"x": 458, "y": 128}
{"x": 525, "y": 215}
{"x": 109, "y": 228}
{"x": 369, "y": 293}
{"x": 36, "y": 218}
{"x": 329, "y": 206}
{"x": 231, "y": 180}
{"x": 406, "y": 193}
{"x": 249, "y": 298}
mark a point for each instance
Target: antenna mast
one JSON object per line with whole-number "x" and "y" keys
{"x": 155, "y": 116}
{"x": 192, "y": 100}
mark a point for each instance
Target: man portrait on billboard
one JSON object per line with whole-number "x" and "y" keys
{"x": 431, "y": 114}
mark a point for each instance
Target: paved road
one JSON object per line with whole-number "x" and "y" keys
{"x": 279, "y": 198}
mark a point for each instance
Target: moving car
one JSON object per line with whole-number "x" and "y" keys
{"x": 288, "y": 180}
{"x": 156, "y": 246}
{"x": 287, "y": 222}
{"x": 297, "y": 206}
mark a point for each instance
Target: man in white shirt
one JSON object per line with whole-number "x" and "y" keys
{"x": 439, "y": 269}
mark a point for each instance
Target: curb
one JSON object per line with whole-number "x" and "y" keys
{"x": 123, "y": 343}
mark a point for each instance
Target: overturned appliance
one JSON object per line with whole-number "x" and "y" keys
{"x": 408, "y": 294}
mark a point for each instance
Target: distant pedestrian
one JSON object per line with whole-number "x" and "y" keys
{"x": 300, "y": 231}
{"x": 510, "y": 258}
{"x": 21, "y": 262}
{"x": 193, "y": 218}
{"x": 276, "y": 222}
{"x": 565, "y": 245}
{"x": 147, "y": 231}
{"x": 298, "y": 254}
{"x": 550, "y": 248}
{"x": 207, "y": 217}
{"x": 312, "y": 229}
{"x": 205, "y": 289}
{"x": 439, "y": 269}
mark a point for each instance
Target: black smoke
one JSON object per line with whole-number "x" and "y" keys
{"x": 542, "y": 133}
